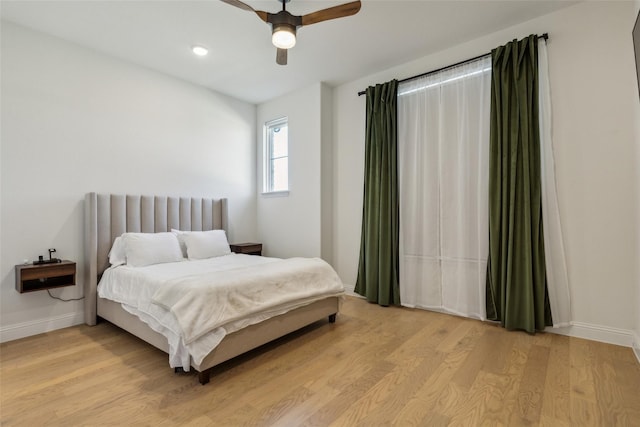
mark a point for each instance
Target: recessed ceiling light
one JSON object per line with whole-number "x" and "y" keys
{"x": 199, "y": 50}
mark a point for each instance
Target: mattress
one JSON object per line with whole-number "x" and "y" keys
{"x": 135, "y": 289}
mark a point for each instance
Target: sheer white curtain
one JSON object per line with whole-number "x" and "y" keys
{"x": 557, "y": 277}
{"x": 443, "y": 162}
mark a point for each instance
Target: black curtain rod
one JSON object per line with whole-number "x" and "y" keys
{"x": 362, "y": 92}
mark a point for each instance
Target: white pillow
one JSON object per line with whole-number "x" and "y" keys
{"x": 180, "y": 235}
{"x": 206, "y": 244}
{"x": 151, "y": 248}
{"x": 117, "y": 254}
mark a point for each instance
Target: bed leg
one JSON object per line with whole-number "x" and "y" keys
{"x": 204, "y": 376}
{"x": 178, "y": 370}
{"x": 332, "y": 318}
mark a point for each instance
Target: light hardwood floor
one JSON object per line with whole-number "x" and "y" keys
{"x": 374, "y": 366}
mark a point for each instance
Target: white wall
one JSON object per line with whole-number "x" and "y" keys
{"x": 327, "y": 160}
{"x": 75, "y": 121}
{"x": 593, "y": 95}
{"x": 292, "y": 225}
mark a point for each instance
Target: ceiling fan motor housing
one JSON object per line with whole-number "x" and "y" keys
{"x": 284, "y": 18}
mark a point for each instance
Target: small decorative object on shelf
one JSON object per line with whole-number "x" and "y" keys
{"x": 47, "y": 275}
{"x": 51, "y": 260}
{"x": 247, "y": 248}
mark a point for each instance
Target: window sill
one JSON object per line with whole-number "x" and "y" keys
{"x": 276, "y": 194}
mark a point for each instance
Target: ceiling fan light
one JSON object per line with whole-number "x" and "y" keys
{"x": 284, "y": 36}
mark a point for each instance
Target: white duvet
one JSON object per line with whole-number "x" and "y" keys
{"x": 196, "y": 303}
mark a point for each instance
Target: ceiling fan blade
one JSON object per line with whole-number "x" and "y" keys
{"x": 281, "y": 56}
{"x": 237, "y": 3}
{"x": 340, "y": 11}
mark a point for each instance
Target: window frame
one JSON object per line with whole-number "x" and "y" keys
{"x": 267, "y": 164}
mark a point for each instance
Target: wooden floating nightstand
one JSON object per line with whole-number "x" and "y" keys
{"x": 30, "y": 277}
{"x": 247, "y": 248}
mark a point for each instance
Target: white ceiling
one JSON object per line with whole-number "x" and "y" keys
{"x": 241, "y": 61}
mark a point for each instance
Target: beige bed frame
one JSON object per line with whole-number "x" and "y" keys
{"x": 107, "y": 216}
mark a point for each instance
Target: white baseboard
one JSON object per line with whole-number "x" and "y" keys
{"x": 350, "y": 290}
{"x": 39, "y": 326}
{"x": 636, "y": 345}
{"x": 589, "y": 331}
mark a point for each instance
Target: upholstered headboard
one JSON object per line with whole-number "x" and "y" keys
{"x": 107, "y": 216}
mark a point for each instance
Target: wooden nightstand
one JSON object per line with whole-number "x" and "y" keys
{"x": 247, "y": 248}
{"x": 31, "y": 277}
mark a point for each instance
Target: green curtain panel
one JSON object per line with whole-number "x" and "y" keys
{"x": 516, "y": 280}
{"x": 378, "y": 267}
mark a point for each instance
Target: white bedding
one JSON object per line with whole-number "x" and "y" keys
{"x": 135, "y": 289}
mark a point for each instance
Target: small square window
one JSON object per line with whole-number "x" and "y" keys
{"x": 276, "y": 156}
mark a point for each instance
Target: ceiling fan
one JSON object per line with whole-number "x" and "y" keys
{"x": 284, "y": 25}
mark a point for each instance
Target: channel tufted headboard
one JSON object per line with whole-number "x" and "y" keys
{"x": 107, "y": 216}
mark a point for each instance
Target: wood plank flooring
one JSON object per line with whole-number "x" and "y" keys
{"x": 374, "y": 367}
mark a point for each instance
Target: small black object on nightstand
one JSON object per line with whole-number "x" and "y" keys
{"x": 246, "y": 248}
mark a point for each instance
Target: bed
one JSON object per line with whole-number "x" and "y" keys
{"x": 108, "y": 216}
